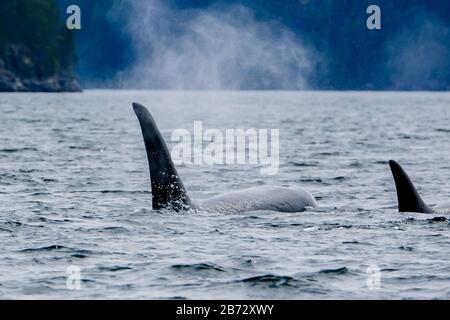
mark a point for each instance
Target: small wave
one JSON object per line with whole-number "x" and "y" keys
{"x": 389, "y": 270}
{"x": 176, "y": 298}
{"x": 356, "y": 164}
{"x": 13, "y": 150}
{"x": 342, "y": 270}
{"x": 328, "y": 154}
{"x": 198, "y": 267}
{"x": 82, "y": 253}
{"x": 5, "y": 230}
{"x": 116, "y": 229}
{"x": 34, "y": 194}
{"x": 437, "y": 219}
{"x": 27, "y": 170}
{"x": 412, "y": 136}
{"x": 303, "y": 164}
{"x": 442, "y": 130}
{"x": 332, "y": 226}
{"x": 48, "y": 248}
{"x": 110, "y": 229}
{"x": 271, "y": 279}
{"x": 13, "y": 223}
{"x": 115, "y": 268}
{"x": 311, "y": 180}
{"x": 352, "y": 242}
{"x": 79, "y": 148}
{"x": 32, "y": 120}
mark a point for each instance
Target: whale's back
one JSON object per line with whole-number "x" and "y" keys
{"x": 443, "y": 208}
{"x": 282, "y": 199}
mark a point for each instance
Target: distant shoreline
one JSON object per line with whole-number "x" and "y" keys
{"x": 23, "y": 71}
{"x": 10, "y": 83}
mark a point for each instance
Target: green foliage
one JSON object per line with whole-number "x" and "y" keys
{"x": 36, "y": 26}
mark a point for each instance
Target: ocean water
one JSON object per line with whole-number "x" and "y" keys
{"x": 75, "y": 192}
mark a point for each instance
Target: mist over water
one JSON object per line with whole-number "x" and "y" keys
{"x": 418, "y": 56}
{"x": 221, "y": 47}
{"x": 263, "y": 44}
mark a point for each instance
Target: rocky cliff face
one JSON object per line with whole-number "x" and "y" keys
{"x": 20, "y": 71}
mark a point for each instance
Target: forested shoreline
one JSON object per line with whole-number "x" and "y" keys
{"x": 37, "y": 51}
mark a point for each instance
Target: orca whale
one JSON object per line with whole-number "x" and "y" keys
{"x": 168, "y": 191}
{"x": 409, "y": 199}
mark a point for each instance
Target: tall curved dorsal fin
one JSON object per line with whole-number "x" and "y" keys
{"x": 409, "y": 199}
{"x": 168, "y": 191}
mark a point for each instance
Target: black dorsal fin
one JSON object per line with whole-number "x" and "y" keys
{"x": 409, "y": 199}
{"x": 168, "y": 191}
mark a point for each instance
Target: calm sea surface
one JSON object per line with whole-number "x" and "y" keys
{"x": 75, "y": 192}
